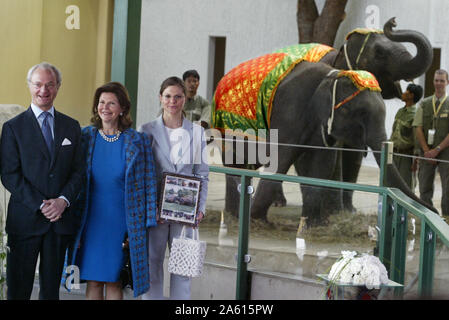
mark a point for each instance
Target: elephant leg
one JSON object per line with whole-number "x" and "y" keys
{"x": 318, "y": 202}
{"x": 279, "y": 197}
{"x": 232, "y": 198}
{"x": 232, "y": 158}
{"x": 337, "y": 175}
{"x": 267, "y": 189}
{"x": 351, "y": 163}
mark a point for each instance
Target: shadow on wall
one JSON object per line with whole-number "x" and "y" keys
{"x": 7, "y": 111}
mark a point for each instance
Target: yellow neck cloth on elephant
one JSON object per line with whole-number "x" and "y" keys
{"x": 244, "y": 96}
{"x": 362, "y": 79}
{"x": 363, "y": 31}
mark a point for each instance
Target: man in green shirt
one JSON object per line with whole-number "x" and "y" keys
{"x": 432, "y": 132}
{"x": 403, "y": 136}
{"x": 196, "y": 107}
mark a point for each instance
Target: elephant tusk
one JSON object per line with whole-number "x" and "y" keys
{"x": 346, "y": 56}
{"x": 323, "y": 136}
{"x": 331, "y": 118}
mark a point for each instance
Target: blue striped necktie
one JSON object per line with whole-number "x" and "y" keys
{"x": 46, "y": 131}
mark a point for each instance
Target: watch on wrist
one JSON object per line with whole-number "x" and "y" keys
{"x": 438, "y": 148}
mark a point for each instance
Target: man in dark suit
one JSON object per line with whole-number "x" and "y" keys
{"x": 42, "y": 168}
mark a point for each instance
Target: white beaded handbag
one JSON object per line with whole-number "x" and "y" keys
{"x": 187, "y": 255}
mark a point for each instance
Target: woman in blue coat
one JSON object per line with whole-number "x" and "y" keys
{"x": 119, "y": 198}
{"x": 179, "y": 147}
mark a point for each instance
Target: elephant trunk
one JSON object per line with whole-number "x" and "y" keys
{"x": 414, "y": 66}
{"x": 394, "y": 179}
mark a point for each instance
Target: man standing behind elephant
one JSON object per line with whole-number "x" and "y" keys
{"x": 402, "y": 135}
{"x": 432, "y": 132}
{"x": 196, "y": 107}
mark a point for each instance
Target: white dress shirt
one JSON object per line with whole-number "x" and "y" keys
{"x": 37, "y": 113}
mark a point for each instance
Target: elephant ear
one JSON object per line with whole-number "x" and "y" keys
{"x": 343, "y": 126}
{"x": 321, "y": 101}
{"x": 320, "y": 109}
{"x": 352, "y": 133}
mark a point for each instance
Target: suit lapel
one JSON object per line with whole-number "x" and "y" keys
{"x": 38, "y": 136}
{"x": 161, "y": 138}
{"x": 91, "y": 133}
{"x": 58, "y": 129}
{"x": 131, "y": 150}
{"x": 187, "y": 144}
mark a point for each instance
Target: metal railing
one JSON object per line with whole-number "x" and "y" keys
{"x": 392, "y": 222}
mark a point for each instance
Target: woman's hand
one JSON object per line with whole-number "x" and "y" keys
{"x": 53, "y": 209}
{"x": 158, "y": 217}
{"x": 431, "y": 155}
{"x": 199, "y": 217}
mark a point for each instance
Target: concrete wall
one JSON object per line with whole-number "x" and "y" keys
{"x": 175, "y": 37}
{"x": 219, "y": 283}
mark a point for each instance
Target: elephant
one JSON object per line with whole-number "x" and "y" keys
{"x": 301, "y": 109}
{"x": 383, "y": 55}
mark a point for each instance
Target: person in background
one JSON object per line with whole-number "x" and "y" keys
{"x": 42, "y": 168}
{"x": 196, "y": 107}
{"x": 178, "y": 146}
{"x": 432, "y": 132}
{"x": 403, "y": 136}
{"x": 119, "y": 197}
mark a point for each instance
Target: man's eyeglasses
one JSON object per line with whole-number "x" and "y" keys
{"x": 48, "y": 86}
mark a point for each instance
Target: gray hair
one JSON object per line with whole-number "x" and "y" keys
{"x": 45, "y": 66}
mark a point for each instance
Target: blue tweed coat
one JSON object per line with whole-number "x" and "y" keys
{"x": 140, "y": 201}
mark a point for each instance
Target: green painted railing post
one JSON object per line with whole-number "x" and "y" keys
{"x": 385, "y": 217}
{"x": 386, "y": 158}
{"x": 399, "y": 244}
{"x": 386, "y": 231}
{"x": 126, "y": 47}
{"x": 242, "y": 287}
{"x": 426, "y": 260}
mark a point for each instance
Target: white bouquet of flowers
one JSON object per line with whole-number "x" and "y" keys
{"x": 357, "y": 269}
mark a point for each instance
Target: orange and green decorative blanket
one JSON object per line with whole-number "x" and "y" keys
{"x": 244, "y": 96}
{"x": 312, "y": 52}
